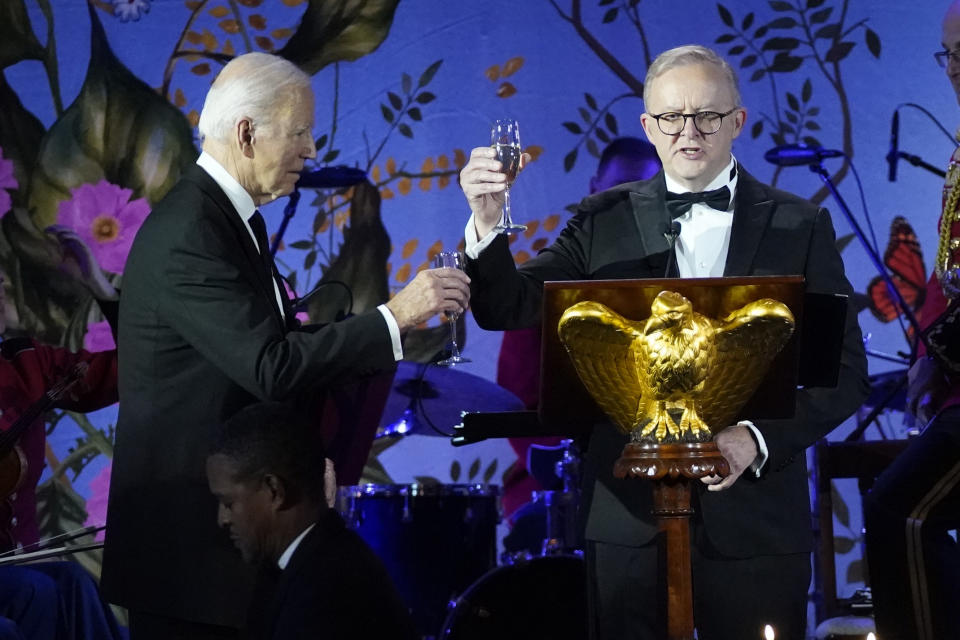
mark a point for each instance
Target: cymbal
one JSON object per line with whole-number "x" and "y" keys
{"x": 423, "y": 394}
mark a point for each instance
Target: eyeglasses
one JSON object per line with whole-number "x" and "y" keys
{"x": 944, "y": 57}
{"x": 706, "y": 122}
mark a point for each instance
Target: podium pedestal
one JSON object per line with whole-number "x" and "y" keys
{"x": 672, "y": 468}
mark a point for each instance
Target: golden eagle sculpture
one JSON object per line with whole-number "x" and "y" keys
{"x": 643, "y": 374}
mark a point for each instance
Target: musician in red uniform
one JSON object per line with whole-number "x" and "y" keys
{"x": 50, "y": 599}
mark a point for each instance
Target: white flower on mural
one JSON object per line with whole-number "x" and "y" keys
{"x": 128, "y": 10}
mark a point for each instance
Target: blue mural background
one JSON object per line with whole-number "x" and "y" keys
{"x": 409, "y": 109}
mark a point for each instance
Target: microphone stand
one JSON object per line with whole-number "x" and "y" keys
{"x": 817, "y": 168}
{"x": 288, "y": 212}
{"x": 917, "y": 161}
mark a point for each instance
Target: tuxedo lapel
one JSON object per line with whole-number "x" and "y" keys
{"x": 751, "y": 216}
{"x": 650, "y": 214}
{"x": 263, "y": 279}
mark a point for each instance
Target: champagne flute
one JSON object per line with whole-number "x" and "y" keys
{"x": 454, "y": 260}
{"x": 505, "y": 140}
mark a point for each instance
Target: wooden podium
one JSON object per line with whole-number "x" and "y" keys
{"x": 566, "y": 408}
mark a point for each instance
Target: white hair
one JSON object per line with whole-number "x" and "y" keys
{"x": 249, "y": 86}
{"x": 690, "y": 54}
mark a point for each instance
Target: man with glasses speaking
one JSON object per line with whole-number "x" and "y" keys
{"x": 751, "y": 532}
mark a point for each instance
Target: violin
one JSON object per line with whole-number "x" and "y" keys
{"x": 13, "y": 463}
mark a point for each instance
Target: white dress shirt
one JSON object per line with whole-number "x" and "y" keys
{"x": 288, "y": 552}
{"x": 246, "y": 207}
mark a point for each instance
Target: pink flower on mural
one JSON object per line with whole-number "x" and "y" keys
{"x": 106, "y": 219}
{"x": 99, "y": 337}
{"x": 7, "y": 181}
{"x": 127, "y": 10}
{"x": 97, "y": 501}
{"x": 302, "y": 316}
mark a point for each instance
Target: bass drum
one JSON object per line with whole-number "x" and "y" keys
{"x": 545, "y": 597}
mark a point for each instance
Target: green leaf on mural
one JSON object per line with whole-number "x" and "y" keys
{"x": 601, "y": 135}
{"x": 309, "y": 260}
{"x": 828, "y": 32}
{"x": 783, "y": 62}
{"x": 406, "y": 83}
{"x": 781, "y": 5}
{"x": 807, "y": 92}
{"x": 591, "y": 101}
{"x": 301, "y": 245}
{"x": 330, "y": 156}
{"x": 455, "y": 471}
{"x": 873, "y": 42}
{"x": 395, "y": 101}
{"x": 611, "y": 123}
{"x": 428, "y": 74}
{"x": 572, "y": 127}
{"x": 592, "y": 148}
{"x": 338, "y": 30}
{"x": 785, "y": 22}
{"x": 748, "y": 61}
{"x": 20, "y": 135}
{"x": 756, "y": 129}
{"x": 813, "y": 126}
{"x": 725, "y": 15}
{"x": 843, "y": 544}
{"x": 839, "y": 51}
{"x": 761, "y": 31}
{"x": 118, "y": 129}
{"x": 17, "y": 41}
{"x": 425, "y": 97}
{"x": 747, "y": 22}
{"x": 414, "y": 113}
{"x": 405, "y": 130}
{"x": 569, "y": 160}
{"x": 610, "y": 15}
{"x": 489, "y": 471}
{"x": 474, "y": 469}
{"x": 387, "y": 113}
{"x": 855, "y": 571}
{"x": 726, "y": 37}
{"x": 792, "y": 101}
{"x": 840, "y": 508}
{"x": 757, "y": 74}
{"x": 781, "y": 44}
{"x": 821, "y": 16}
{"x": 813, "y": 4}
{"x": 737, "y": 50}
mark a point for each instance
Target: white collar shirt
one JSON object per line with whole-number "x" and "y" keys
{"x": 288, "y": 552}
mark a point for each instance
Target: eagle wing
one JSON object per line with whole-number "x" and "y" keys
{"x": 747, "y": 341}
{"x": 601, "y": 345}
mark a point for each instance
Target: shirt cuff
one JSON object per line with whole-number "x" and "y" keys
{"x": 473, "y": 245}
{"x": 762, "y": 452}
{"x": 394, "y": 332}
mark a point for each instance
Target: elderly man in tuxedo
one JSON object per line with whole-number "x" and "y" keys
{"x": 205, "y": 330}
{"x": 751, "y": 534}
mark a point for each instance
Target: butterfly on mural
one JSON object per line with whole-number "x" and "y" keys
{"x": 904, "y": 260}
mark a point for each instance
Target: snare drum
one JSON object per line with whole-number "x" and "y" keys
{"x": 435, "y": 540}
{"x": 545, "y": 597}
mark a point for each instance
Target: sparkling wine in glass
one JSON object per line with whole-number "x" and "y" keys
{"x": 454, "y": 260}
{"x": 505, "y": 140}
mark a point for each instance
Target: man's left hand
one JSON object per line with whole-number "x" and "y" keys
{"x": 737, "y": 445}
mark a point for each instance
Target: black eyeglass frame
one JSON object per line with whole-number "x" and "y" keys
{"x": 943, "y": 57}
{"x": 701, "y": 114}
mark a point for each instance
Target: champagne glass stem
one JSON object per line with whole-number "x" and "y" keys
{"x": 455, "y": 350}
{"x": 507, "y": 219}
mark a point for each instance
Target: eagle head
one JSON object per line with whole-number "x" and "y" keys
{"x": 669, "y": 310}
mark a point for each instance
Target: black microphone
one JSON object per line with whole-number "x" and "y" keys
{"x": 792, "y": 155}
{"x": 671, "y": 234}
{"x": 331, "y": 177}
{"x": 894, "y": 154}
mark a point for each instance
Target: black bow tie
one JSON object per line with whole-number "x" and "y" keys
{"x": 679, "y": 203}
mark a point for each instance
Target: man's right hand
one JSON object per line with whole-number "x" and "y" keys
{"x": 926, "y": 386}
{"x": 431, "y": 292}
{"x": 483, "y": 183}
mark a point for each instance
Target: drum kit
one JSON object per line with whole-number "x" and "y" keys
{"x": 438, "y": 541}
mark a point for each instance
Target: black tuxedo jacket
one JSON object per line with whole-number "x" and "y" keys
{"x": 334, "y": 588}
{"x": 619, "y": 233}
{"x": 200, "y": 337}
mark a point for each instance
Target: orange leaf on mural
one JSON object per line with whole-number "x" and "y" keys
{"x": 257, "y": 21}
{"x": 434, "y": 249}
{"x": 179, "y": 99}
{"x": 228, "y": 48}
{"x": 493, "y": 73}
{"x": 404, "y": 185}
{"x": 427, "y": 165}
{"x": 403, "y": 273}
{"x": 264, "y": 43}
{"x": 531, "y": 228}
{"x": 250, "y": 3}
{"x": 409, "y": 248}
{"x": 459, "y": 158}
{"x": 443, "y": 161}
{"x": 391, "y": 166}
{"x": 293, "y": 3}
{"x": 209, "y": 40}
{"x": 200, "y": 69}
{"x": 424, "y": 184}
{"x": 193, "y": 5}
{"x": 281, "y": 34}
{"x": 538, "y": 244}
{"x": 219, "y": 12}
{"x": 521, "y": 256}
{"x": 535, "y": 151}
{"x": 512, "y": 66}
{"x": 230, "y": 26}
{"x": 193, "y": 118}
{"x": 443, "y": 181}
{"x": 505, "y": 90}
{"x": 193, "y": 37}
{"x": 324, "y": 226}
{"x": 389, "y": 268}
{"x": 386, "y": 193}
{"x": 375, "y": 173}
{"x": 424, "y": 266}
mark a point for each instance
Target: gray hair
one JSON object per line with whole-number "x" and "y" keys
{"x": 249, "y": 86}
{"x": 690, "y": 54}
